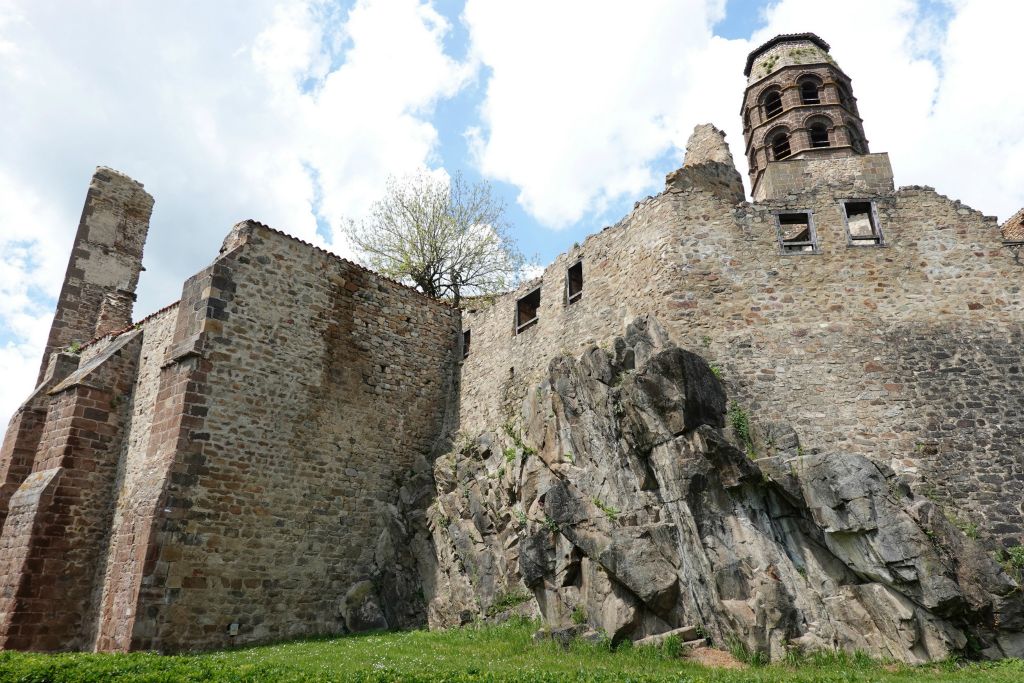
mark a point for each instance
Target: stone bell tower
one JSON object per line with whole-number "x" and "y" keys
{"x": 798, "y": 105}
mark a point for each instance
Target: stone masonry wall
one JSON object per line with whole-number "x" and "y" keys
{"x": 53, "y": 538}
{"x": 908, "y": 353}
{"x": 25, "y": 429}
{"x": 869, "y": 174}
{"x": 106, "y": 259}
{"x": 296, "y": 393}
{"x": 138, "y": 481}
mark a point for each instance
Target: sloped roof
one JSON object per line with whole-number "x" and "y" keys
{"x": 782, "y": 38}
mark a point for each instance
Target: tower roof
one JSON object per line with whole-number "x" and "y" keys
{"x": 782, "y": 38}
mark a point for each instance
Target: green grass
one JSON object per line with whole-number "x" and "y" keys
{"x": 497, "y": 653}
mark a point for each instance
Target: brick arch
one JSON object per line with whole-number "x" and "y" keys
{"x": 772, "y": 146}
{"x": 810, "y": 78}
{"x": 762, "y": 102}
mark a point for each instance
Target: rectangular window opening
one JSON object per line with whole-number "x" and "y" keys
{"x": 527, "y": 309}
{"x": 862, "y": 224}
{"x": 465, "y": 344}
{"x": 796, "y": 233}
{"x": 574, "y": 282}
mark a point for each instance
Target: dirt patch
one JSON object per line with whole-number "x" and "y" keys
{"x": 720, "y": 659}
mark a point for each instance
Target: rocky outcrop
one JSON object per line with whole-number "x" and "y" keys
{"x": 618, "y": 498}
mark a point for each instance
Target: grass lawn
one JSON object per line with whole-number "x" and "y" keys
{"x": 496, "y": 653}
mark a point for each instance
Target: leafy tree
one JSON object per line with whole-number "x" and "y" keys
{"x": 450, "y": 239}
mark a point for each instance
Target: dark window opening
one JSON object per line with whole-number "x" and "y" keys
{"x": 780, "y": 146}
{"x": 819, "y": 135}
{"x": 772, "y": 104}
{"x": 845, "y": 98}
{"x": 465, "y": 343}
{"x": 574, "y": 282}
{"x": 862, "y": 224}
{"x": 796, "y": 233}
{"x": 527, "y": 309}
{"x": 809, "y": 92}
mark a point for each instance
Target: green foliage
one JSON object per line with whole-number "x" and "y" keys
{"x": 517, "y": 439}
{"x": 520, "y": 516}
{"x": 715, "y": 370}
{"x": 74, "y": 348}
{"x": 969, "y": 528}
{"x": 740, "y": 422}
{"x": 507, "y": 601}
{"x": 510, "y": 454}
{"x": 493, "y": 653}
{"x": 610, "y": 512}
{"x": 579, "y": 615}
{"x": 1013, "y": 561}
{"x": 550, "y": 524}
{"x": 569, "y": 457}
{"x": 705, "y": 341}
{"x": 672, "y": 646}
{"x": 739, "y": 650}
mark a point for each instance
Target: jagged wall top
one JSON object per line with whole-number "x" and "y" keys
{"x": 707, "y": 143}
{"x": 1013, "y": 228}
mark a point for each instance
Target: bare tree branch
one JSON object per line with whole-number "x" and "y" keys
{"x": 450, "y": 240}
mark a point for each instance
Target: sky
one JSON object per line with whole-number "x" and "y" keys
{"x": 296, "y": 112}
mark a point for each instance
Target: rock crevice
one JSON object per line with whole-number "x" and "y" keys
{"x": 619, "y": 498}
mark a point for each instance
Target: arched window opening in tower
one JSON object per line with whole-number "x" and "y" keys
{"x": 856, "y": 141}
{"x": 845, "y": 98}
{"x": 780, "y": 146}
{"x": 819, "y": 135}
{"x": 772, "y": 104}
{"x": 809, "y": 92}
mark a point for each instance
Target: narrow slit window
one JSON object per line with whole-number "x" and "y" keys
{"x": 862, "y": 224}
{"x": 527, "y": 309}
{"x": 796, "y": 233}
{"x": 466, "y": 337}
{"x": 574, "y": 283}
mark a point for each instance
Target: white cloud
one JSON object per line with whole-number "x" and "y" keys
{"x": 584, "y": 99}
{"x": 583, "y": 96}
{"x": 295, "y": 111}
{"x": 941, "y": 100}
{"x": 281, "y": 111}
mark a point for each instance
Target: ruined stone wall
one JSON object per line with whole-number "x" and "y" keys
{"x": 106, "y": 259}
{"x": 138, "y": 481}
{"x": 294, "y": 397}
{"x": 908, "y": 353}
{"x": 53, "y": 538}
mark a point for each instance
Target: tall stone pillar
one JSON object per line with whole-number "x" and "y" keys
{"x": 106, "y": 259}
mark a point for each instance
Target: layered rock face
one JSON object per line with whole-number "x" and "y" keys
{"x": 619, "y": 496}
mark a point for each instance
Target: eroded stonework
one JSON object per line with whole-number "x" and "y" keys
{"x": 796, "y": 421}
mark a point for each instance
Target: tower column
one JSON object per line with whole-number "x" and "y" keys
{"x": 105, "y": 262}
